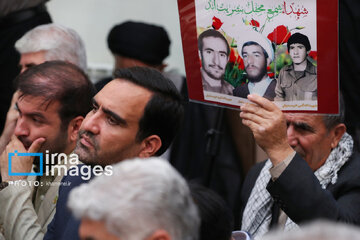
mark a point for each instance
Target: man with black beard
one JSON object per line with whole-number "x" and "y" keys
{"x": 257, "y": 54}
{"x": 214, "y": 52}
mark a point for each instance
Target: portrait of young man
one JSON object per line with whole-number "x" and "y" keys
{"x": 297, "y": 81}
{"x": 257, "y": 54}
{"x": 214, "y": 53}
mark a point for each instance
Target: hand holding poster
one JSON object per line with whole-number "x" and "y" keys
{"x": 270, "y": 48}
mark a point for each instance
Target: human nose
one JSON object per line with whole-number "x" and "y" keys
{"x": 216, "y": 59}
{"x": 91, "y": 122}
{"x": 292, "y": 136}
{"x": 21, "y": 128}
{"x": 250, "y": 60}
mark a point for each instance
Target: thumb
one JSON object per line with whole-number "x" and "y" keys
{"x": 36, "y": 145}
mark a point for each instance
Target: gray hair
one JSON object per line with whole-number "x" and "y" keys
{"x": 331, "y": 121}
{"x": 148, "y": 193}
{"x": 59, "y": 42}
{"x": 318, "y": 230}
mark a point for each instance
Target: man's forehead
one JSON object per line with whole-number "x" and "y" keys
{"x": 38, "y": 103}
{"x": 297, "y": 45}
{"x": 122, "y": 96}
{"x": 216, "y": 41}
{"x": 122, "y": 88}
{"x": 252, "y": 48}
{"x": 303, "y": 118}
{"x": 33, "y": 57}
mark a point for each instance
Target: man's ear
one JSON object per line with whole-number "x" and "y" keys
{"x": 73, "y": 128}
{"x": 159, "y": 234}
{"x": 337, "y": 133}
{"x": 149, "y": 146}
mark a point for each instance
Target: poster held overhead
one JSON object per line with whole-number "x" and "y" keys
{"x": 270, "y": 48}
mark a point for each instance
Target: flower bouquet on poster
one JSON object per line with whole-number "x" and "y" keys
{"x": 269, "y": 48}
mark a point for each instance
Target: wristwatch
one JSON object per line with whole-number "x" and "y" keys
{"x": 3, "y": 185}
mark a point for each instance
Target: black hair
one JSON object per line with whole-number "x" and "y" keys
{"x": 299, "y": 38}
{"x": 164, "y": 112}
{"x": 216, "y": 217}
{"x": 59, "y": 81}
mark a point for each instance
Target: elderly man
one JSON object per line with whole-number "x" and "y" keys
{"x": 312, "y": 171}
{"x": 17, "y": 17}
{"x": 257, "y": 53}
{"x": 297, "y": 81}
{"x": 214, "y": 53}
{"x": 135, "y": 115}
{"x": 54, "y": 98}
{"x": 150, "y": 200}
{"x": 51, "y": 42}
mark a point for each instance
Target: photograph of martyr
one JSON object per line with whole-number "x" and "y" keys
{"x": 298, "y": 80}
{"x": 214, "y": 53}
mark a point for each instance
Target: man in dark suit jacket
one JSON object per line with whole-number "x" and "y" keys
{"x": 135, "y": 115}
{"x": 257, "y": 53}
{"x": 312, "y": 171}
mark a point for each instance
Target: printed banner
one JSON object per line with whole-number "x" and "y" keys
{"x": 286, "y": 51}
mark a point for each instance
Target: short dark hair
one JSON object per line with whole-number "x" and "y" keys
{"x": 250, "y": 43}
{"x": 299, "y": 38}
{"x": 212, "y": 33}
{"x": 59, "y": 81}
{"x": 164, "y": 112}
{"x": 216, "y": 217}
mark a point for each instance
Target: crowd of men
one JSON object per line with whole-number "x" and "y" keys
{"x": 101, "y": 176}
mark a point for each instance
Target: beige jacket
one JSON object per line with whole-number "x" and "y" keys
{"x": 25, "y": 216}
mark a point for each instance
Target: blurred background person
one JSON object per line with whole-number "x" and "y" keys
{"x": 215, "y": 215}
{"x": 16, "y": 18}
{"x": 137, "y": 44}
{"x": 142, "y": 199}
{"x": 47, "y": 42}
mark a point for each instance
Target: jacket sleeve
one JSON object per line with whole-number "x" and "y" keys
{"x": 299, "y": 194}
{"x": 50, "y": 233}
{"x": 279, "y": 93}
{"x": 18, "y": 215}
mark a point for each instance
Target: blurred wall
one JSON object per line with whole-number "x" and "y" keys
{"x": 93, "y": 19}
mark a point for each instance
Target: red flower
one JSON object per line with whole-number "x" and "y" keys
{"x": 280, "y": 35}
{"x": 271, "y": 75}
{"x": 240, "y": 61}
{"x": 232, "y": 57}
{"x": 254, "y": 23}
{"x": 313, "y": 55}
{"x": 216, "y": 23}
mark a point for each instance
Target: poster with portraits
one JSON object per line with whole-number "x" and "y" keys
{"x": 283, "y": 50}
